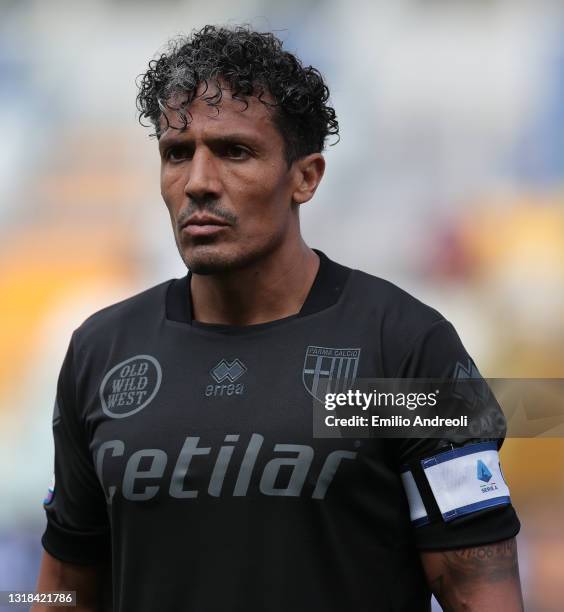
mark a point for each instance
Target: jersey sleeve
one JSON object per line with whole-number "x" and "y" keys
{"x": 455, "y": 487}
{"x": 78, "y": 528}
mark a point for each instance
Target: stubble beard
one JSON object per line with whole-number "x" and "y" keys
{"x": 209, "y": 259}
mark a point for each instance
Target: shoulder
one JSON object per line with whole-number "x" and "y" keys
{"x": 133, "y": 313}
{"x": 392, "y": 304}
{"x": 393, "y": 320}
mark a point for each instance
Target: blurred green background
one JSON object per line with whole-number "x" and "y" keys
{"x": 448, "y": 180}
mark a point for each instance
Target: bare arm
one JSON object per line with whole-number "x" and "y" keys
{"x": 86, "y": 580}
{"x": 483, "y": 578}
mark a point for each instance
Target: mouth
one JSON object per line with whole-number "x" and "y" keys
{"x": 203, "y": 225}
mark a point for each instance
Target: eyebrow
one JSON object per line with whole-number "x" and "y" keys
{"x": 222, "y": 139}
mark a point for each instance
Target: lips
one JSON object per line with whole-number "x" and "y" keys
{"x": 203, "y": 225}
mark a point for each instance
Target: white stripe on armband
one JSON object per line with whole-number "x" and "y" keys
{"x": 466, "y": 479}
{"x": 417, "y": 512}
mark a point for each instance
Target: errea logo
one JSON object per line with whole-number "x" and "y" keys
{"x": 227, "y": 372}
{"x": 230, "y": 370}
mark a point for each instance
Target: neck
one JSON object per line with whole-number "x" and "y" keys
{"x": 272, "y": 288}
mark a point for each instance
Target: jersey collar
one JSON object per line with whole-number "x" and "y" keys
{"x": 325, "y": 291}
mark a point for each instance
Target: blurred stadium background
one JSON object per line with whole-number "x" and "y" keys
{"x": 448, "y": 180}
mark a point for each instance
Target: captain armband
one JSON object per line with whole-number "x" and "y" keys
{"x": 455, "y": 483}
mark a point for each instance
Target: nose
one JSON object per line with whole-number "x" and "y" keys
{"x": 203, "y": 178}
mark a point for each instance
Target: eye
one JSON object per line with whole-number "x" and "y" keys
{"x": 237, "y": 152}
{"x": 177, "y": 154}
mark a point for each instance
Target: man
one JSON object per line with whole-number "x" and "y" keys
{"x": 184, "y": 455}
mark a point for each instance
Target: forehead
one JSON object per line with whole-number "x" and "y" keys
{"x": 246, "y": 113}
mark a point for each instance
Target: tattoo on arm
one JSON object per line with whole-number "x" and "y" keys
{"x": 492, "y": 562}
{"x": 468, "y": 575}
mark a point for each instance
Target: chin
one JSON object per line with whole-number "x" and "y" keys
{"x": 207, "y": 260}
{"x": 207, "y": 266}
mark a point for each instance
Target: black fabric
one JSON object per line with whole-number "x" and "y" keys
{"x": 72, "y": 546}
{"x": 78, "y": 530}
{"x": 186, "y": 453}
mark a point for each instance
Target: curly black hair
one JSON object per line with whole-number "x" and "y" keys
{"x": 251, "y": 64}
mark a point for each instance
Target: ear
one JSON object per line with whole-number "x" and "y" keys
{"x": 308, "y": 174}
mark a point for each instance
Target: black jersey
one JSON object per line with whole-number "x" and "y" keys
{"x": 184, "y": 454}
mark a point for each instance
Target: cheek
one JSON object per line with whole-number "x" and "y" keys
{"x": 264, "y": 200}
{"x": 172, "y": 190}
{"x": 263, "y": 222}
